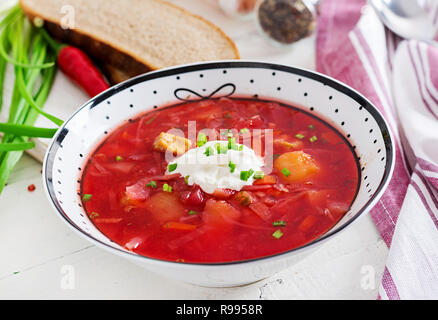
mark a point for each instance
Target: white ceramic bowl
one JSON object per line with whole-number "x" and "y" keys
{"x": 316, "y": 94}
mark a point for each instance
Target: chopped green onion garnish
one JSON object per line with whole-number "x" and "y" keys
{"x": 299, "y": 136}
{"x": 279, "y": 223}
{"x": 285, "y": 172}
{"x": 245, "y": 201}
{"x": 167, "y": 188}
{"x": 227, "y": 115}
{"x": 245, "y": 175}
{"x": 232, "y": 166}
{"x": 192, "y": 212}
{"x": 186, "y": 179}
{"x": 232, "y": 144}
{"x": 93, "y": 215}
{"x": 258, "y": 175}
{"x": 277, "y": 234}
{"x": 244, "y": 130}
{"x": 227, "y": 133}
{"x": 311, "y": 127}
{"x": 221, "y": 148}
{"x": 152, "y": 184}
{"x": 313, "y": 139}
{"x": 86, "y": 197}
{"x": 172, "y": 167}
{"x": 209, "y": 151}
{"x": 241, "y": 147}
{"x": 150, "y": 120}
{"x": 202, "y": 139}
{"x": 119, "y": 158}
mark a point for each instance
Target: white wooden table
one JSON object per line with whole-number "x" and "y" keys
{"x": 37, "y": 249}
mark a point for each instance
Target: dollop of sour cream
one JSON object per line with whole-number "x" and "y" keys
{"x": 214, "y": 165}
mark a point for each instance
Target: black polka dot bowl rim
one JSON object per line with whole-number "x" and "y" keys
{"x": 340, "y": 106}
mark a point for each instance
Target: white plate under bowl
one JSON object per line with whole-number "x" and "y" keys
{"x": 342, "y": 107}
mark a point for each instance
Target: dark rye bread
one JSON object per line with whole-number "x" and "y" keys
{"x": 137, "y": 35}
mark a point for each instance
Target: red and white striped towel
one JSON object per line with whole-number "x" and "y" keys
{"x": 401, "y": 78}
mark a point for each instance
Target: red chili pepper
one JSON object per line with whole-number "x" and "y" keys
{"x": 78, "y": 67}
{"x": 31, "y": 188}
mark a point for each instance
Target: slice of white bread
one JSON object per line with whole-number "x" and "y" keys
{"x": 130, "y": 37}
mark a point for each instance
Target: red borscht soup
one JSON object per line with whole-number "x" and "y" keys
{"x": 293, "y": 180}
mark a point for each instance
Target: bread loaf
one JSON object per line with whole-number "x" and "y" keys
{"x": 130, "y": 37}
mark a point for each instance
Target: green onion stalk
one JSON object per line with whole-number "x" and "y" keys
{"x": 23, "y": 46}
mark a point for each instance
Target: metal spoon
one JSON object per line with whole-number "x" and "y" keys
{"x": 409, "y": 19}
